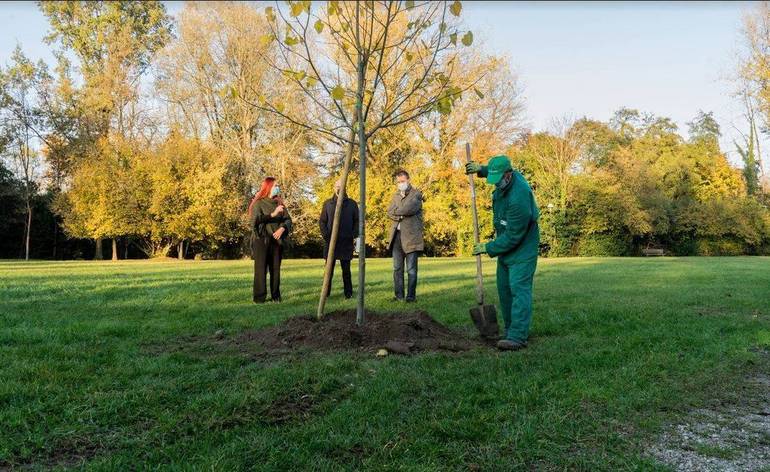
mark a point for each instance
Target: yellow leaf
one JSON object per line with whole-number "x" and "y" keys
{"x": 456, "y": 8}
{"x": 319, "y": 26}
{"x": 453, "y": 39}
{"x": 468, "y": 38}
{"x": 478, "y": 93}
{"x": 338, "y": 93}
{"x": 270, "y": 14}
{"x": 444, "y": 106}
{"x": 409, "y": 4}
{"x": 297, "y": 8}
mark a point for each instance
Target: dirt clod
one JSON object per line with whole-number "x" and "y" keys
{"x": 398, "y": 347}
{"x": 399, "y": 333}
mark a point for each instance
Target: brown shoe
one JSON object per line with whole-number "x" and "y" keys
{"x": 508, "y": 345}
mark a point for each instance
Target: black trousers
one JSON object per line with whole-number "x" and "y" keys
{"x": 347, "y": 280}
{"x": 267, "y": 258}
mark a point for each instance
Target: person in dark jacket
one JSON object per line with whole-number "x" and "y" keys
{"x": 270, "y": 226}
{"x": 348, "y": 232}
{"x": 406, "y": 235}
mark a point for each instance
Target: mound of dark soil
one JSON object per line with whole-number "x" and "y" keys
{"x": 400, "y": 333}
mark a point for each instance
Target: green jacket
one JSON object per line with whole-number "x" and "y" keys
{"x": 263, "y": 225}
{"x": 515, "y": 215}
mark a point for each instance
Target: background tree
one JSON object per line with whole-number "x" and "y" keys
{"x": 20, "y": 123}
{"x": 754, "y": 73}
{"x": 208, "y": 76}
{"x": 189, "y": 197}
{"x": 114, "y": 43}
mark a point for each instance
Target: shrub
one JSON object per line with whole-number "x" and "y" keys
{"x": 604, "y": 245}
{"x": 719, "y": 247}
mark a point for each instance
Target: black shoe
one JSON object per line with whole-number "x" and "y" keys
{"x": 508, "y": 345}
{"x": 396, "y": 299}
{"x": 348, "y": 297}
{"x": 276, "y": 300}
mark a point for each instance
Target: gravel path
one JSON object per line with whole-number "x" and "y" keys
{"x": 733, "y": 438}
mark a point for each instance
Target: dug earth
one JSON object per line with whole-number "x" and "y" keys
{"x": 397, "y": 333}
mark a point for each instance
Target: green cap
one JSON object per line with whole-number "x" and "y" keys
{"x": 497, "y": 167}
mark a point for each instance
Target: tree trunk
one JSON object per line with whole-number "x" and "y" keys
{"x": 55, "y": 238}
{"x": 760, "y": 161}
{"x": 114, "y": 249}
{"x": 336, "y": 226}
{"x": 29, "y": 230}
{"x": 180, "y": 250}
{"x": 362, "y": 184}
{"x": 98, "y": 256}
{"x": 125, "y": 252}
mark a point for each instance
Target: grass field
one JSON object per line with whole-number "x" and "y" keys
{"x": 619, "y": 349}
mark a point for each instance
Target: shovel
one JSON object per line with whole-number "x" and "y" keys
{"x": 483, "y": 316}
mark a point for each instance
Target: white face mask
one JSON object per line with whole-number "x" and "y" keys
{"x": 402, "y": 186}
{"x": 275, "y": 191}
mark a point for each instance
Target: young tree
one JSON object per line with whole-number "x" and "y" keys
{"x": 365, "y": 67}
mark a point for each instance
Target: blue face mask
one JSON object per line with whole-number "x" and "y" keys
{"x": 275, "y": 191}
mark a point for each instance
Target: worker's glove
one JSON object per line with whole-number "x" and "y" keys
{"x": 472, "y": 168}
{"x": 479, "y": 248}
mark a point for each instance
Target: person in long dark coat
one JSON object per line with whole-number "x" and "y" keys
{"x": 348, "y": 232}
{"x": 270, "y": 225}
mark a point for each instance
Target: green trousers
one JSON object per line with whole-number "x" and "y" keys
{"x": 514, "y": 287}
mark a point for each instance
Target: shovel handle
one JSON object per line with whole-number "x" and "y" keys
{"x": 479, "y": 275}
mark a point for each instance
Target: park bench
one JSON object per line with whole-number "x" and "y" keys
{"x": 652, "y": 251}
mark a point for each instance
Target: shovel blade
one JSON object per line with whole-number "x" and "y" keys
{"x": 485, "y": 319}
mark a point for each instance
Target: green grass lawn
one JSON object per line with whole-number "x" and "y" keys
{"x": 619, "y": 348}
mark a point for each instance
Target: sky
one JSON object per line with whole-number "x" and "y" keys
{"x": 573, "y": 59}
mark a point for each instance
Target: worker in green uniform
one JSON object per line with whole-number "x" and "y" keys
{"x": 516, "y": 243}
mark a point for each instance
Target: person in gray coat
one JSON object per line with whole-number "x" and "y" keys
{"x": 406, "y": 235}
